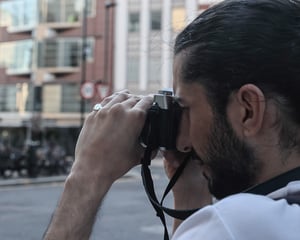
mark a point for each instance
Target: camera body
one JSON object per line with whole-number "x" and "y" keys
{"x": 161, "y": 126}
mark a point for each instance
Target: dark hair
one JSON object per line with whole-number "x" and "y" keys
{"x": 237, "y": 42}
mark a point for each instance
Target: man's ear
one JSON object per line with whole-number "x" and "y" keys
{"x": 251, "y": 101}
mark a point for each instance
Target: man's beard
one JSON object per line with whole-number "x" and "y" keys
{"x": 232, "y": 164}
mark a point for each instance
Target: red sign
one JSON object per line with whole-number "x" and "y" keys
{"x": 87, "y": 90}
{"x": 103, "y": 90}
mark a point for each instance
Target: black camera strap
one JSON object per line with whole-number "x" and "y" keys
{"x": 149, "y": 187}
{"x": 260, "y": 189}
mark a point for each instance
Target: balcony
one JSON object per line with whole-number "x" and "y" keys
{"x": 20, "y": 29}
{"x": 18, "y": 72}
{"x": 63, "y": 53}
{"x": 22, "y": 16}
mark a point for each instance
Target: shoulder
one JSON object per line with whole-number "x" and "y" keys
{"x": 243, "y": 216}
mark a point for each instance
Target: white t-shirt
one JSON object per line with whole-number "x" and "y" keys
{"x": 246, "y": 217}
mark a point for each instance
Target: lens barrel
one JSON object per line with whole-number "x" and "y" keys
{"x": 161, "y": 126}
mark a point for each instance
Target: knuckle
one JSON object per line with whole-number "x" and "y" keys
{"x": 107, "y": 99}
{"x": 124, "y": 91}
{"x": 104, "y": 111}
{"x": 117, "y": 108}
{"x": 123, "y": 95}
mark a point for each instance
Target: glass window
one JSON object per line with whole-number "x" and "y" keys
{"x": 27, "y": 13}
{"x": 62, "y": 98}
{"x": 22, "y": 96}
{"x": 90, "y": 6}
{"x": 30, "y": 12}
{"x": 133, "y": 69}
{"x": 70, "y": 99}
{"x": 22, "y": 56}
{"x": 154, "y": 69}
{"x": 19, "y": 13}
{"x": 134, "y": 22}
{"x": 178, "y": 19}
{"x": 51, "y": 98}
{"x": 155, "y": 20}
{"x": 6, "y": 16}
{"x": 29, "y": 102}
{"x": 64, "y": 10}
{"x": 64, "y": 52}
{"x": 8, "y": 95}
{"x": 16, "y": 55}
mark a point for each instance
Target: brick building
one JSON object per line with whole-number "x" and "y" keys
{"x": 128, "y": 45}
{"x": 42, "y": 66}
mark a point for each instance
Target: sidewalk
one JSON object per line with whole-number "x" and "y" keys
{"x": 31, "y": 181}
{"x": 51, "y": 179}
{"x": 19, "y": 181}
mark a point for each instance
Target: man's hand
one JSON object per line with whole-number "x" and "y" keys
{"x": 108, "y": 146}
{"x": 108, "y": 142}
{"x": 191, "y": 189}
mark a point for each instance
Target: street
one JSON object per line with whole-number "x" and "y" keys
{"x": 126, "y": 212}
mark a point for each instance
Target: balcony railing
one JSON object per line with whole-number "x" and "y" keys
{"x": 62, "y": 53}
{"x": 24, "y": 15}
{"x": 19, "y": 57}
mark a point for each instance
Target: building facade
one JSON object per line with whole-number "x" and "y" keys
{"x": 145, "y": 31}
{"x": 48, "y": 50}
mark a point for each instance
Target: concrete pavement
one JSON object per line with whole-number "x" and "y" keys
{"x": 31, "y": 181}
{"x": 19, "y": 181}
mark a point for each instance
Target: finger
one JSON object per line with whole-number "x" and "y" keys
{"x": 115, "y": 98}
{"x": 121, "y": 103}
{"x": 131, "y": 101}
{"x": 145, "y": 103}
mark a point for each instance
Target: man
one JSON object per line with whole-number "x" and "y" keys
{"x": 237, "y": 79}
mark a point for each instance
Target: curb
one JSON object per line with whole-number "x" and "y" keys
{"x": 47, "y": 180}
{"x": 31, "y": 181}
{"x": 133, "y": 173}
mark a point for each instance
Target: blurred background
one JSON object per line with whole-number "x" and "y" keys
{"x": 57, "y": 59}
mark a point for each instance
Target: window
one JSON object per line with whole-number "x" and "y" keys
{"x": 16, "y": 55}
{"x": 70, "y": 101}
{"x": 51, "y": 98}
{"x": 27, "y": 13}
{"x": 155, "y": 20}
{"x": 64, "y": 52}
{"x": 134, "y": 22}
{"x": 22, "y": 96}
{"x": 178, "y": 19}
{"x": 19, "y": 13}
{"x": 133, "y": 69}
{"x": 62, "y": 98}
{"x": 8, "y": 98}
{"x": 64, "y": 10}
{"x": 90, "y": 6}
{"x": 154, "y": 69}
